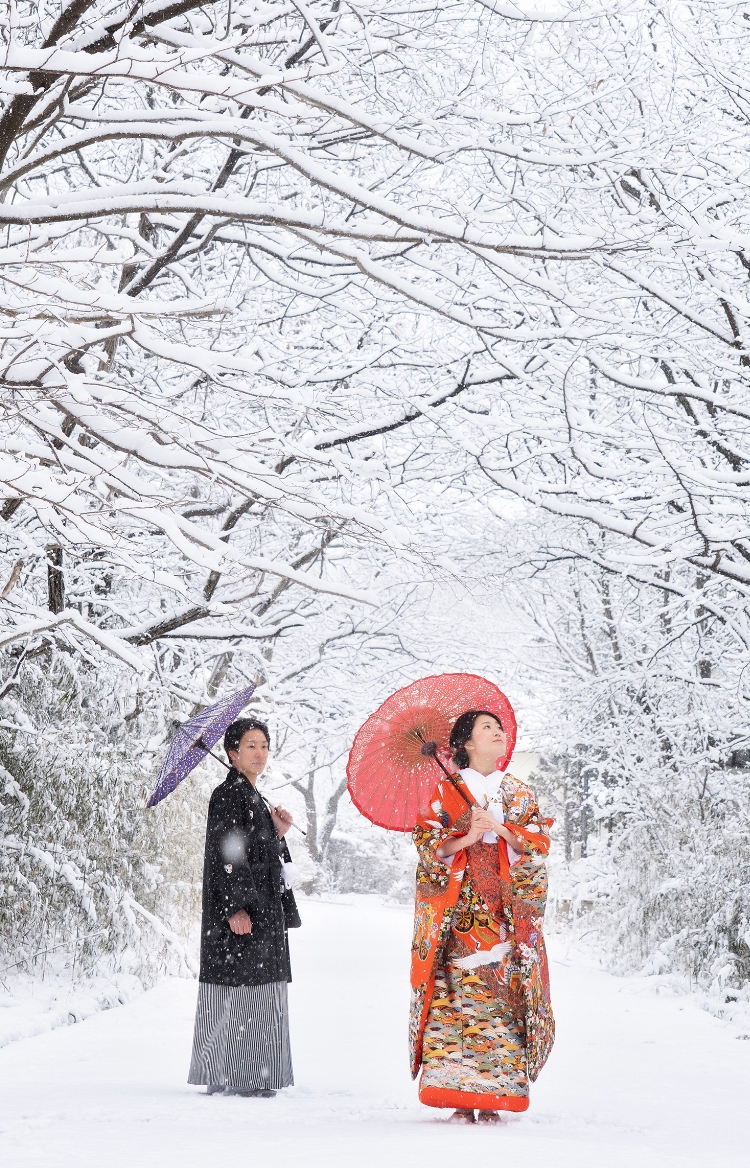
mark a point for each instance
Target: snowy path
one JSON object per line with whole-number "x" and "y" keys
{"x": 635, "y": 1078}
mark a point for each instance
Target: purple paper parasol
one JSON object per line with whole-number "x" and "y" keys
{"x": 184, "y": 752}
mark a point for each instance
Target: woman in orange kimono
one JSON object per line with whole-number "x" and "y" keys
{"x": 481, "y": 1021}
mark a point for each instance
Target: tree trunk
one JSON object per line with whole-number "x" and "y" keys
{"x": 55, "y": 580}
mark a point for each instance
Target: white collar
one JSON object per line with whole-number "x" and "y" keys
{"x": 483, "y": 787}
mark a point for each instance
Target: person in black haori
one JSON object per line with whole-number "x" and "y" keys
{"x": 241, "y": 1040}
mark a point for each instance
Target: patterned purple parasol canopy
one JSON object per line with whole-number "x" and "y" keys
{"x": 184, "y": 752}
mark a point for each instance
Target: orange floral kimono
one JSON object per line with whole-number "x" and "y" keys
{"x": 481, "y": 1022}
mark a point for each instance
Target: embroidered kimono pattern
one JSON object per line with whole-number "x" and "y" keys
{"x": 481, "y": 1022}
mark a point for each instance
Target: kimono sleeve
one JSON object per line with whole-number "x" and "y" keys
{"x": 429, "y": 833}
{"x": 228, "y": 840}
{"x": 525, "y": 820}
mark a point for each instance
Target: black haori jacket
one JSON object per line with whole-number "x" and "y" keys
{"x": 242, "y": 869}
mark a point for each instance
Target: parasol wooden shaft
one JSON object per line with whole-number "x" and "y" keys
{"x": 429, "y": 749}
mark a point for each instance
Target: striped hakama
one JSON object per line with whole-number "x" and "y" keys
{"x": 241, "y": 1037}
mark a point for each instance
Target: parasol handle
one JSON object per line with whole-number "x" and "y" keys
{"x": 429, "y": 750}
{"x": 202, "y": 746}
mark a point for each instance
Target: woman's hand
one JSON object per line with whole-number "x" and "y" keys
{"x": 282, "y": 821}
{"x": 481, "y": 821}
{"x": 240, "y": 923}
{"x": 511, "y": 840}
{"x": 504, "y": 833}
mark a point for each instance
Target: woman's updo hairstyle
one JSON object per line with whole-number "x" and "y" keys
{"x": 463, "y": 728}
{"x": 237, "y": 731}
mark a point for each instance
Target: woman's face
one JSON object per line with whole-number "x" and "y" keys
{"x": 487, "y": 743}
{"x": 251, "y": 755}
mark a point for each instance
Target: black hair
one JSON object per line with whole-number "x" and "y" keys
{"x": 463, "y": 728}
{"x": 236, "y": 732}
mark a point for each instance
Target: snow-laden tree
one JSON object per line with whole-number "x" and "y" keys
{"x": 156, "y": 378}
{"x": 167, "y": 336}
{"x": 288, "y": 287}
{"x": 634, "y": 708}
{"x": 218, "y": 293}
{"x": 626, "y": 404}
{"x": 335, "y": 224}
{"x": 88, "y": 875}
{"x": 85, "y": 877}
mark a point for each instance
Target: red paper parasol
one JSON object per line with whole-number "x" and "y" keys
{"x": 390, "y": 776}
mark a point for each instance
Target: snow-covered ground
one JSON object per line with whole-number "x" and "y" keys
{"x": 636, "y": 1078}
{"x": 30, "y": 1006}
